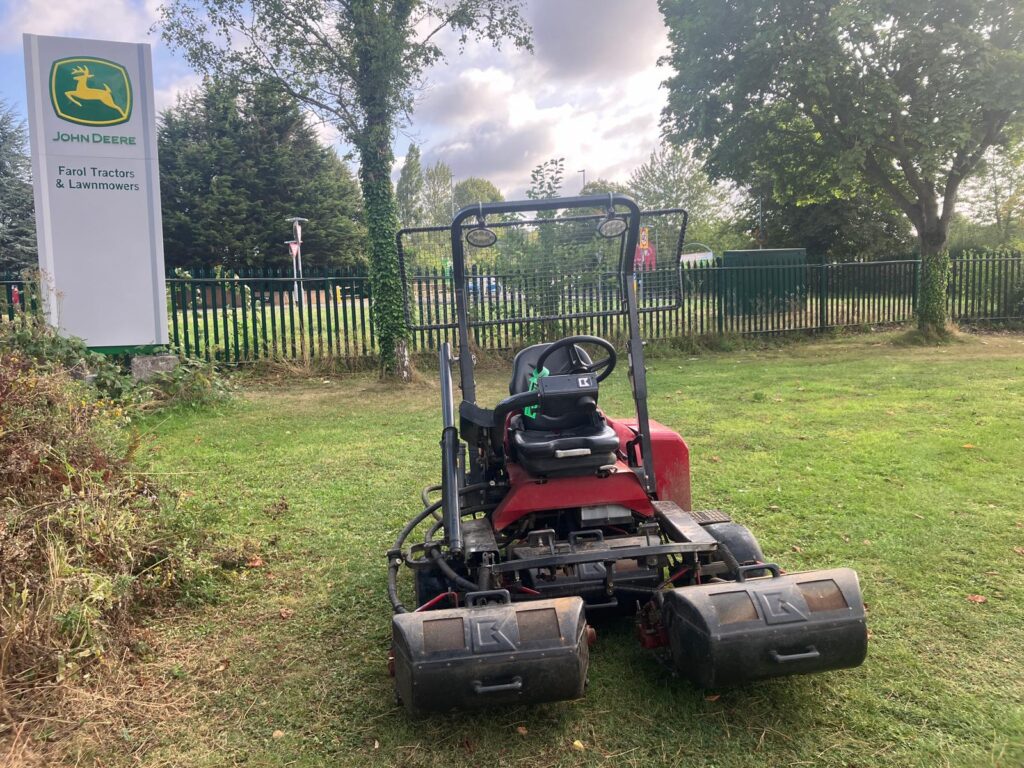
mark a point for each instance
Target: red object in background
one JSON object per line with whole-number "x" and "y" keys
{"x": 672, "y": 476}
{"x": 646, "y": 257}
{"x": 15, "y": 296}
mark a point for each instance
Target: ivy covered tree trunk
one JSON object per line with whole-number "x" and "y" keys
{"x": 931, "y": 299}
{"x": 376, "y": 158}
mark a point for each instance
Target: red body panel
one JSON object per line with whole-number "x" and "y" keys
{"x": 529, "y": 494}
{"x": 671, "y": 462}
{"x": 672, "y": 473}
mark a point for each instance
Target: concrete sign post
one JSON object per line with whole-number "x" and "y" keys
{"x": 97, "y": 190}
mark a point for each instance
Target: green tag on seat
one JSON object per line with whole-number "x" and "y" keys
{"x": 530, "y": 411}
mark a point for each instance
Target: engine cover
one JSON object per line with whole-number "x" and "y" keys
{"x": 728, "y": 633}
{"x": 487, "y": 654}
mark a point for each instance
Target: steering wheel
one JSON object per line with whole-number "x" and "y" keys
{"x": 602, "y": 368}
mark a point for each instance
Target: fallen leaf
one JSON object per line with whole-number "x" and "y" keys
{"x": 254, "y": 562}
{"x": 1019, "y": 550}
{"x": 968, "y": 446}
{"x": 716, "y": 459}
{"x": 277, "y": 734}
{"x": 867, "y": 542}
{"x": 796, "y": 548}
{"x": 521, "y": 730}
{"x": 977, "y": 598}
{"x": 224, "y": 664}
{"x": 376, "y": 744}
{"x": 774, "y": 507}
{"x": 919, "y": 517}
{"x": 713, "y": 697}
{"x": 286, "y": 613}
{"x": 578, "y": 745}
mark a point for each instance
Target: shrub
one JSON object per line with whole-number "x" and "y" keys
{"x": 84, "y": 539}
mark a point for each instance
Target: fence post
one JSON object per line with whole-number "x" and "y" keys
{"x": 917, "y": 286}
{"x": 721, "y": 299}
{"x": 823, "y": 273}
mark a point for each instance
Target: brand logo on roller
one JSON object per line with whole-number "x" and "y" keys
{"x": 90, "y": 91}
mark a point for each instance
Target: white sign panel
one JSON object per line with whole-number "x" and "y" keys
{"x": 97, "y": 189}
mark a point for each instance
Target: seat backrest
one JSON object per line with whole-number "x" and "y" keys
{"x": 523, "y": 366}
{"x": 525, "y": 363}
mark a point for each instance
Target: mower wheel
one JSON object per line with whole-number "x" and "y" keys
{"x": 739, "y": 541}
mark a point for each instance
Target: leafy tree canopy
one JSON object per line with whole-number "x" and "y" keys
{"x": 475, "y": 190}
{"x": 994, "y": 198}
{"x": 437, "y": 195}
{"x": 862, "y": 228}
{"x": 409, "y": 191}
{"x": 603, "y": 187}
{"x": 357, "y": 64}
{"x": 17, "y": 210}
{"x": 234, "y": 164}
{"x": 905, "y": 94}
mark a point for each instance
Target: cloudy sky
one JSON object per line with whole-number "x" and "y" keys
{"x": 590, "y": 92}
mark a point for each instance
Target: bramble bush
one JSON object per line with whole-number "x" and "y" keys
{"x": 84, "y": 538}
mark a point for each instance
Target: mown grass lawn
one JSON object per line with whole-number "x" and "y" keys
{"x": 904, "y": 463}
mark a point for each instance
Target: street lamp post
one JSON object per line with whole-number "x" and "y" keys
{"x": 295, "y": 246}
{"x": 584, "y": 172}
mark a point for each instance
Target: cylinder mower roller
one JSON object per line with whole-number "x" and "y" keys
{"x": 552, "y": 514}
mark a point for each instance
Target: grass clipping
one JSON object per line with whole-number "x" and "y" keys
{"x": 84, "y": 540}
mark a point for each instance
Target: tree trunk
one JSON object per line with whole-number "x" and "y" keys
{"x": 388, "y": 310}
{"x": 931, "y": 298}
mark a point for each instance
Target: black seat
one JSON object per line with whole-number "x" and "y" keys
{"x": 582, "y": 450}
{"x": 579, "y": 443}
{"x": 523, "y": 367}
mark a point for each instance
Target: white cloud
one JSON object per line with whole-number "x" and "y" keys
{"x": 119, "y": 20}
{"x": 590, "y": 93}
{"x": 167, "y": 94}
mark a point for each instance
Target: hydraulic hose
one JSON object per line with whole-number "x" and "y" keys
{"x": 396, "y": 557}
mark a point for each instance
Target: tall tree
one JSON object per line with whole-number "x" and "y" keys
{"x": 234, "y": 164}
{"x": 546, "y": 179}
{"x": 673, "y": 177}
{"x": 409, "y": 190}
{"x": 475, "y": 190}
{"x": 357, "y": 63}
{"x": 604, "y": 186}
{"x": 994, "y": 197}
{"x": 864, "y": 227}
{"x": 904, "y": 94}
{"x": 17, "y": 210}
{"x": 437, "y": 194}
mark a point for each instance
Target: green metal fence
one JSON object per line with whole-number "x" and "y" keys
{"x": 268, "y": 315}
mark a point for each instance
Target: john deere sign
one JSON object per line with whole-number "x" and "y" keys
{"x": 97, "y": 189}
{"x": 90, "y": 91}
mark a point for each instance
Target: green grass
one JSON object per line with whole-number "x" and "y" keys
{"x": 844, "y": 452}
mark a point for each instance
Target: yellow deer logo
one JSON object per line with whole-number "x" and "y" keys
{"x": 86, "y": 92}
{"x": 89, "y": 90}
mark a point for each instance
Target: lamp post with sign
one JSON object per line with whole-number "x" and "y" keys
{"x": 295, "y": 248}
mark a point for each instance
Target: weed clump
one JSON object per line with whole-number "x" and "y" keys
{"x": 85, "y": 539}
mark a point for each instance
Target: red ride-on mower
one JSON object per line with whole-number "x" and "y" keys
{"x": 552, "y": 512}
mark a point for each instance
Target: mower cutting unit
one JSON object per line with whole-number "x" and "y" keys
{"x": 552, "y": 512}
